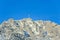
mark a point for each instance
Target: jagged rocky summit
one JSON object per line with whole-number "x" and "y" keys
{"x": 28, "y": 29}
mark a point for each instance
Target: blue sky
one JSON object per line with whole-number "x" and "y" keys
{"x": 35, "y": 9}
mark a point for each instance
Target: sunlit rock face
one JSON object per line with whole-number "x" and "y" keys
{"x": 28, "y": 29}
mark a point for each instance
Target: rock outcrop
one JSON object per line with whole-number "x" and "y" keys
{"x": 28, "y": 29}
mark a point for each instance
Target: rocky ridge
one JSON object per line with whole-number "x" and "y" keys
{"x": 28, "y": 29}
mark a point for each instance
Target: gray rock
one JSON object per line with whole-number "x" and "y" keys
{"x": 16, "y": 36}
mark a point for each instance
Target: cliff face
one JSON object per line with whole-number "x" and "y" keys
{"x": 27, "y": 29}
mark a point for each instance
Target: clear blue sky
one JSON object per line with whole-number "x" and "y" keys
{"x": 36, "y": 9}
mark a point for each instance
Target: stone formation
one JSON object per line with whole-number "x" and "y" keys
{"x": 28, "y": 29}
